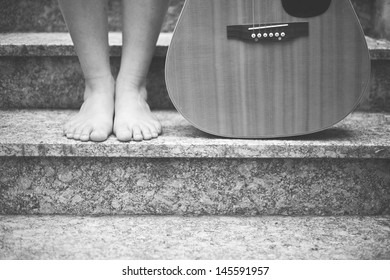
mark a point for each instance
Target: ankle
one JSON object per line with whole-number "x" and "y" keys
{"x": 130, "y": 88}
{"x": 100, "y": 83}
{"x": 130, "y": 82}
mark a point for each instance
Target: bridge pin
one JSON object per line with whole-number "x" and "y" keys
{"x": 271, "y": 35}
{"x": 277, "y": 34}
{"x": 259, "y": 35}
{"x": 283, "y": 34}
{"x": 253, "y": 35}
{"x": 265, "y": 35}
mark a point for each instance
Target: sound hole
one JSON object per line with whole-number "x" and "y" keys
{"x": 306, "y": 8}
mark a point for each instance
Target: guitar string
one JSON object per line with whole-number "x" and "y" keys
{"x": 253, "y": 16}
{"x": 259, "y": 18}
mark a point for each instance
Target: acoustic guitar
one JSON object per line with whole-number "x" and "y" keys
{"x": 267, "y": 68}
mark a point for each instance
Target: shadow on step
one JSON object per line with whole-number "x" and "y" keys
{"x": 333, "y": 133}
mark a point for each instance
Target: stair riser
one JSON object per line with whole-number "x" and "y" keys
{"x": 45, "y": 16}
{"x": 57, "y": 82}
{"x": 84, "y": 186}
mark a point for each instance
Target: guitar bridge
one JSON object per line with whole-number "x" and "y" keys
{"x": 273, "y": 32}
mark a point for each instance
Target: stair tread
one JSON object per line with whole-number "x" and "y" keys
{"x": 379, "y": 48}
{"x": 35, "y": 133}
{"x": 60, "y": 44}
{"x": 175, "y": 237}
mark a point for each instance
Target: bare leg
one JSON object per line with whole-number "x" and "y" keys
{"x": 87, "y": 23}
{"x": 142, "y": 20}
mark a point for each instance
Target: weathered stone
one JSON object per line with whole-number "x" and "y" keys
{"x": 45, "y": 16}
{"x": 134, "y": 186}
{"x": 341, "y": 171}
{"x": 380, "y": 19}
{"x": 35, "y": 133}
{"x": 61, "y": 45}
{"x": 205, "y": 238}
{"x": 49, "y": 75}
{"x": 364, "y": 10}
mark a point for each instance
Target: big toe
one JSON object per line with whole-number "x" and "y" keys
{"x": 123, "y": 134}
{"x": 98, "y": 136}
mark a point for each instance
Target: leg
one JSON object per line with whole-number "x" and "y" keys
{"x": 142, "y": 22}
{"x": 87, "y": 24}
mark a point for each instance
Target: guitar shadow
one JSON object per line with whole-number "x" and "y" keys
{"x": 330, "y": 134}
{"x": 334, "y": 133}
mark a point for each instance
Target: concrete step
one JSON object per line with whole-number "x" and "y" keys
{"x": 151, "y": 237}
{"x": 41, "y": 70}
{"x": 344, "y": 170}
{"x": 45, "y": 15}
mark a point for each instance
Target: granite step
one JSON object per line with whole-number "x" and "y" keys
{"x": 41, "y": 70}
{"x": 172, "y": 237}
{"x": 344, "y": 170}
{"x": 45, "y": 16}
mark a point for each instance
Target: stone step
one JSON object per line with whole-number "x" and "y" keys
{"x": 344, "y": 170}
{"x": 168, "y": 237}
{"x": 45, "y": 16}
{"x": 41, "y": 70}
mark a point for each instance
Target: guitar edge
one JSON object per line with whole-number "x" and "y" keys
{"x": 239, "y": 89}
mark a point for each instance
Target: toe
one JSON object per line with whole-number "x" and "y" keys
{"x": 147, "y": 135}
{"x": 78, "y": 132}
{"x": 67, "y": 128}
{"x": 153, "y": 131}
{"x": 85, "y": 133}
{"x": 70, "y": 133}
{"x": 124, "y": 134}
{"x": 137, "y": 134}
{"x": 158, "y": 127}
{"x": 98, "y": 135}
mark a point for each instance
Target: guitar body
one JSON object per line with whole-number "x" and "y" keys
{"x": 267, "y": 68}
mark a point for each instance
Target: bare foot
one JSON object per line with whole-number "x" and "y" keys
{"x": 95, "y": 118}
{"x": 133, "y": 118}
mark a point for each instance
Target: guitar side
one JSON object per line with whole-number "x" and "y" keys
{"x": 240, "y": 89}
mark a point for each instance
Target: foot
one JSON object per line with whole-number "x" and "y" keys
{"x": 133, "y": 118}
{"x": 95, "y": 119}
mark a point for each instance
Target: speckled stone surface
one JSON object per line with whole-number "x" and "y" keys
{"x": 379, "y": 49}
{"x": 378, "y": 98}
{"x": 344, "y": 170}
{"x": 39, "y": 133}
{"x": 178, "y": 186}
{"x": 57, "y": 82}
{"x": 42, "y": 71}
{"x": 45, "y": 16}
{"x": 223, "y": 238}
{"x": 60, "y": 44}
